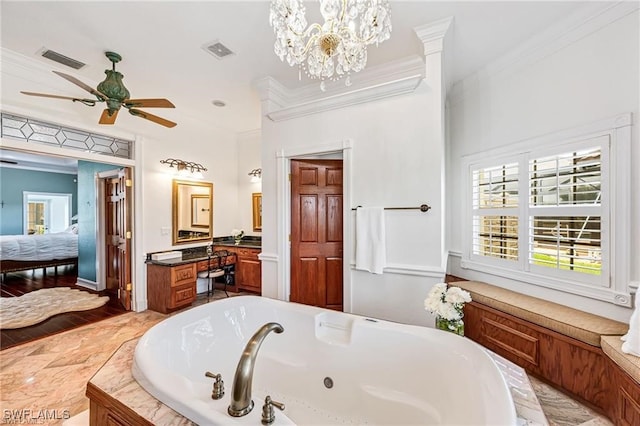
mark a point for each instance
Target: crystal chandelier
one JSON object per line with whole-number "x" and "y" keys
{"x": 336, "y": 48}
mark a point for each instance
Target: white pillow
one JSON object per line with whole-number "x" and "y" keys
{"x": 73, "y": 229}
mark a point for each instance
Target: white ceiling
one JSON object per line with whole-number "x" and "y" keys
{"x": 161, "y": 45}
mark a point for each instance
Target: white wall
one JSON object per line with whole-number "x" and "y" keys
{"x": 249, "y": 158}
{"x": 214, "y": 149}
{"x": 593, "y": 78}
{"x": 397, "y": 159}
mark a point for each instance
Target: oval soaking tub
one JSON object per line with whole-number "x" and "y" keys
{"x": 380, "y": 372}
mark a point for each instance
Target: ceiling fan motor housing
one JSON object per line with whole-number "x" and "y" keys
{"x": 113, "y": 87}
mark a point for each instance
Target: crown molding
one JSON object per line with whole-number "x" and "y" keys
{"x": 390, "y": 79}
{"x": 373, "y": 76}
{"x": 358, "y": 96}
{"x": 558, "y": 36}
{"x": 432, "y": 34}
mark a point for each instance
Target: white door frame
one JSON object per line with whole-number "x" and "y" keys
{"x": 101, "y": 236}
{"x": 283, "y": 213}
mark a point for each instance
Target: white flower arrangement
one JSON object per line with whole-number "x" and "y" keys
{"x": 446, "y": 303}
{"x": 237, "y": 233}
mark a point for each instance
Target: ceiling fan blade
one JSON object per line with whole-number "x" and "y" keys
{"x": 152, "y": 117}
{"x": 88, "y": 102}
{"x": 148, "y": 103}
{"x": 105, "y": 118}
{"x": 86, "y": 87}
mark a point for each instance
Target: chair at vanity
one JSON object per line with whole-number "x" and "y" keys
{"x": 216, "y": 262}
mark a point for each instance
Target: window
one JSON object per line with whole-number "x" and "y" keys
{"x": 542, "y": 213}
{"x": 46, "y": 212}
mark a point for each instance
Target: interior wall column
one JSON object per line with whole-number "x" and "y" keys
{"x": 436, "y": 41}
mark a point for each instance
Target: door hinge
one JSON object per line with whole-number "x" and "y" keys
{"x": 128, "y": 235}
{"x": 128, "y": 183}
{"x": 289, "y": 237}
{"x": 129, "y": 286}
{"x": 289, "y": 177}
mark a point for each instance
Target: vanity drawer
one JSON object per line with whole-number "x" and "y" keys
{"x": 183, "y": 295}
{"x": 247, "y": 252}
{"x": 184, "y": 274}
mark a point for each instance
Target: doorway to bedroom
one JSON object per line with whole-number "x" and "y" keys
{"x": 46, "y": 174}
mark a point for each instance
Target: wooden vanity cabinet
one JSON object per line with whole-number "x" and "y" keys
{"x": 170, "y": 287}
{"x": 248, "y": 268}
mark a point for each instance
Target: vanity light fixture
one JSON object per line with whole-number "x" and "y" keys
{"x": 185, "y": 167}
{"x": 256, "y": 175}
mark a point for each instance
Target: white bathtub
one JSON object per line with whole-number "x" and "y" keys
{"x": 382, "y": 372}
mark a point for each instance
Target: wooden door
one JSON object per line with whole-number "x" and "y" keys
{"x": 118, "y": 236}
{"x": 316, "y": 233}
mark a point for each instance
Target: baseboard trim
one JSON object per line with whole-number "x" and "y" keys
{"x": 91, "y": 285}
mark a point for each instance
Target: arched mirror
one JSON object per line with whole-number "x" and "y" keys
{"x": 192, "y": 208}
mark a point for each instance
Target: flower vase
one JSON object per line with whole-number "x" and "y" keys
{"x": 238, "y": 240}
{"x": 454, "y": 326}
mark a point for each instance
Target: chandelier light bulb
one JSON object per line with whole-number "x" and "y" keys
{"x": 336, "y": 48}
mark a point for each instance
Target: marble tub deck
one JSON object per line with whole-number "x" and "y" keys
{"x": 52, "y": 374}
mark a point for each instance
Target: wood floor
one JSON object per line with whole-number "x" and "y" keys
{"x": 19, "y": 283}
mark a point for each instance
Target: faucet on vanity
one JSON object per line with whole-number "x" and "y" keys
{"x": 241, "y": 402}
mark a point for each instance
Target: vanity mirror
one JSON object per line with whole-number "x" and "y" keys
{"x": 192, "y": 206}
{"x": 257, "y": 211}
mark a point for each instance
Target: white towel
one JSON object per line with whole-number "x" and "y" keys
{"x": 631, "y": 343}
{"x": 370, "y": 239}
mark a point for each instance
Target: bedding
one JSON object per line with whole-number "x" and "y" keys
{"x": 39, "y": 247}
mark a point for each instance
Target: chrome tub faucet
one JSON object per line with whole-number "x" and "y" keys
{"x": 241, "y": 402}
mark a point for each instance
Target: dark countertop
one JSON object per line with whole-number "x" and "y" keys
{"x": 199, "y": 255}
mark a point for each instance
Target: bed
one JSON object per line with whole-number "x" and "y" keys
{"x": 25, "y": 252}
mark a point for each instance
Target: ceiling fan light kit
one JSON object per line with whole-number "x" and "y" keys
{"x": 113, "y": 92}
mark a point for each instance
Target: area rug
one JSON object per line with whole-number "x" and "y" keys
{"x": 37, "y": 306}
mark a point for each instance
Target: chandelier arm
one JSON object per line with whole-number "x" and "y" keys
{"x": 305, "y": 33}
{"x": 344, "y": 11}
{"x": 353, "y": 35}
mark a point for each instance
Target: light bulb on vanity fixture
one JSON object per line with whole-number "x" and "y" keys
{"x": 185, "y": 168}
{"x": 256, "y": 175}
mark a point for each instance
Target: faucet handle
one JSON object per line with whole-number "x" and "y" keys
{"x": 268, "y": 414}
{"x": 218, "y": 385}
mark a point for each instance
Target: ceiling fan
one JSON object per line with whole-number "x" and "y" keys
{"x": 115, "y": 94}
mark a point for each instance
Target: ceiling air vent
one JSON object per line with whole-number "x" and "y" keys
{"x": 218, "y": 49}
{"x": 61, "y": 59}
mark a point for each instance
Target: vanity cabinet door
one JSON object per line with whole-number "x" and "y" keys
{"x": 248, "y": 268}
{"x": 249, "y": 274}
{"x": 170, "y": 287}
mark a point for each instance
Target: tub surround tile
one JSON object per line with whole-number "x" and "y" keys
{"x": 562, "y": 410}
{"x": 528, "y": 407}
{"x": 115, "y": 379}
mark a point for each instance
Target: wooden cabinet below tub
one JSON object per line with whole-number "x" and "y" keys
{"x": 170, "y": 287}
{"x": 248, "y": 268}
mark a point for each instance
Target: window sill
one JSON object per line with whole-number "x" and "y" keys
{"x": 573, "y": 287}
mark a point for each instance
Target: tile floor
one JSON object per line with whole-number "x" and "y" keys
{"x": 51, "y": 373}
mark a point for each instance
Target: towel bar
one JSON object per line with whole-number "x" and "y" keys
{"x": 423, "y": 208}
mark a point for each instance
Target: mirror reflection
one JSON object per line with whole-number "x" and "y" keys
{"x": 192, "y": 208}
